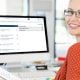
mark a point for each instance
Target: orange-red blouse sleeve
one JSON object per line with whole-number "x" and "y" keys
{"x": 70, "y": 70}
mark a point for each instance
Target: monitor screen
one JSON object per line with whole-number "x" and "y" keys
{"x": 23, "y": 35}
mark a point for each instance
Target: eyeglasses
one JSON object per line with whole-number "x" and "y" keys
{"x": 70, "y": 12}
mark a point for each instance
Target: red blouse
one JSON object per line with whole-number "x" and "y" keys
{"x": 70, "y": 70}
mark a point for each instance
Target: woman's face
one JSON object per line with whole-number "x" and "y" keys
{"x": 73, "y": 21}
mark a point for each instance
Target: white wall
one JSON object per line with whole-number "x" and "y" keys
{"x": 2, "y": 7}
{"x": 14, "y": 7}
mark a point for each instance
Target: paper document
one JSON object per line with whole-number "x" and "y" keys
{"x": 7, "y": 75}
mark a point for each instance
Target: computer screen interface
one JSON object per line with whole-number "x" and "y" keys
{"x": 23, "y": 34}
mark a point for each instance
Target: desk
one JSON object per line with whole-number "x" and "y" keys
{"x": 26, "y": 74}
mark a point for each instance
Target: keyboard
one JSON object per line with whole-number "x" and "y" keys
{"x": 34, "y": 74}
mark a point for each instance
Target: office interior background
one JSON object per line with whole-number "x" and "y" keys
{"x": 58, "y": 37}
{"x": 59, "y": 40}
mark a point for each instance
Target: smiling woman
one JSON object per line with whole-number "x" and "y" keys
{"x": 70, "y": 70}
{"x": 72, "y": 18}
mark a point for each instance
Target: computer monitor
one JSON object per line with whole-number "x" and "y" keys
{"x": 23, "y": 39}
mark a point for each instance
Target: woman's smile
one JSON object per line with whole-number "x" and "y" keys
{"x": 73, "y": 25}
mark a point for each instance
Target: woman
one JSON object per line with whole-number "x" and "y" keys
{"x": 70, "y": 70}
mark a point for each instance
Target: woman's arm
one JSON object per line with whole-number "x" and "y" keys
{"x": 70, "y": 70}
{"x": 61, "y": 74}
{"x": 73, "y": 63}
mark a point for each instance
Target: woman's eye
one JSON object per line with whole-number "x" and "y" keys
{"x": 69, "y": 12}
{"x": 78, "y": 12}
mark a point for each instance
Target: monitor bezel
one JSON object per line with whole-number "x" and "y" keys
{"x": 30, "y": 52}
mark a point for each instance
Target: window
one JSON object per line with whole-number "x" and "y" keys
{"x": 14, "y": 7}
